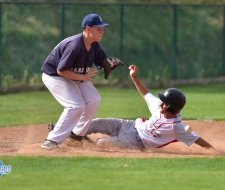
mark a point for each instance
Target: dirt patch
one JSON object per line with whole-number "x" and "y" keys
{"x": 27, "y": 140}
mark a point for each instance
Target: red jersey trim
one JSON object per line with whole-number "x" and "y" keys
{"x": 173, "y": 141}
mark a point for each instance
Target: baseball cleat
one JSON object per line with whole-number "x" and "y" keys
{"x": 81, "y": 139}
{"x": 75, "y": 137}
{"x": 50, "y": 145}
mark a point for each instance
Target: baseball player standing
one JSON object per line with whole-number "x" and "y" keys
{"x": 162, "y": 128}
{"x": 67, "y": 73}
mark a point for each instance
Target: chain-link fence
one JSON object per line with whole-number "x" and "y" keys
{"x": 166, "y": 41}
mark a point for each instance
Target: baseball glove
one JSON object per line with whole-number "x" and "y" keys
{"x": 109, "y": 64}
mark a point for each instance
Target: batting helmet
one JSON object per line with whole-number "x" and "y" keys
{"x": 174, "y": 98}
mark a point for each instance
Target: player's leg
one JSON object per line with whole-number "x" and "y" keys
{"x": 108, "y": 126}
{"x": 91, "y": 100}
{"x": 111, "y": 141}
{"x": 122, "y": 132}
{"x": 67, "y": 93}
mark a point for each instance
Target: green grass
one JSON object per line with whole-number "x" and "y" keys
{"x": 203, "y": 103}
{"x": 45, "y": 173}
{"x": 28, "y": 108}
{"x": 109, "y": 173}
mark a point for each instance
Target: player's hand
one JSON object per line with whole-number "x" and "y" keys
{"x": 89, "y": 76}
{"x": 133, "y": 71}
{"x": 215, "y": 151}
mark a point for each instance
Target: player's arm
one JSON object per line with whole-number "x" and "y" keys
{"x": 203, "y": 143}
{"x": 139, "y": 85}
{"x": 76, "y": 76}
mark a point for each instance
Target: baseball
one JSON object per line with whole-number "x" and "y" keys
{"x": 188, "y": 129}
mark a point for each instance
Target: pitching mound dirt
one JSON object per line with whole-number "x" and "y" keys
{"x": 27, "y": 140}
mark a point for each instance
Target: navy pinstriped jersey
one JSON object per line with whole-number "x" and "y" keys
{"x": 71, "y": 54}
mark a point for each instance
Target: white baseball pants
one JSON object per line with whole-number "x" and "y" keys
{"x": 80, "y": 101}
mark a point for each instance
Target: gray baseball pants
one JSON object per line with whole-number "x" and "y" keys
{"x": 121, "y": 132}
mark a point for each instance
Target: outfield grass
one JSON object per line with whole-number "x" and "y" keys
{"x": 203, "y": 103}
{"x": 42, "y": 173}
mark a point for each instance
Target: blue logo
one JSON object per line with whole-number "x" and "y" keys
{"x": 4, "y": 169}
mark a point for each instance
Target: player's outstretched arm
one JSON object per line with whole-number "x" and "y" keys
{"x": 203, "y": 143}
{"x": 139, "y": 85}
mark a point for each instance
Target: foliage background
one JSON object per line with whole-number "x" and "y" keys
{"x": 141, "y": 34}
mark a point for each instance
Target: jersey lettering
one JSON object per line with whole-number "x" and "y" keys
{"x": 81, "y": 70}
{"x": 88, "y": 69}
{"x": 152, "y": 130}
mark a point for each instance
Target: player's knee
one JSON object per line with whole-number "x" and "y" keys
{"x": 76, "y": 111}
{"x": 95, "y": 101}
{"x": 95, "y": 120}
{"x": 102, "y": 141}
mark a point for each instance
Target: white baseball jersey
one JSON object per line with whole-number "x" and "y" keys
{"x": 159, "y": 131}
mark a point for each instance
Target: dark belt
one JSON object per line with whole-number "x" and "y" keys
{"x": 78, "y": 81}
{"x": 137, "y": 136}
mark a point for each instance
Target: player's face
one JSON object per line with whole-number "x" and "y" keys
{"x": 163, "y": 108}
{"x": 96, "y": 33}
{"x": 165, "y": 113}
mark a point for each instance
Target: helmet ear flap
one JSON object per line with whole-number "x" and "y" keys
{"x": 172, "y": 110}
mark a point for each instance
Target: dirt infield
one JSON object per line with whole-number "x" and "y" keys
{"x": 26, "y": 140}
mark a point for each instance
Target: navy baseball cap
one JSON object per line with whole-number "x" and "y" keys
{"x": 93, "y": 20}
